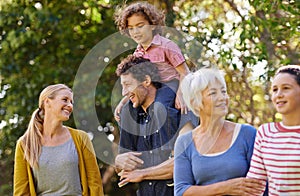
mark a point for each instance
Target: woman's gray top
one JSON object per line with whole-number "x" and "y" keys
{"x": 58, "y": 171}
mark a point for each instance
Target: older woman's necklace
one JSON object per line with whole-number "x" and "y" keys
{"x": 206, "y": 142}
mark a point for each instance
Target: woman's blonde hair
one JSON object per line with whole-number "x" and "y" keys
{"x": 195, "y": 83}
{"x": 31, "y": 140}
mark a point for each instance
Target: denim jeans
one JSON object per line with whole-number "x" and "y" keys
{"x": 166, "y": 94}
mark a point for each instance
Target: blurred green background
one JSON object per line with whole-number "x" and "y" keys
{"x": 44, "y": 42}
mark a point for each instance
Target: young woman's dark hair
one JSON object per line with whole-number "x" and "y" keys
{"x": 291, "y": 69}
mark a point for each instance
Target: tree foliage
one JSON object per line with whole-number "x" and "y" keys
{"x": 248, "y": 40}
{"x": 44, "y": 42}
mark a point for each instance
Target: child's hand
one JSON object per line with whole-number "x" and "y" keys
{"x": 118, "y": 111}
{"x": 119, "y": 108}
{"x": 180, "y": 104}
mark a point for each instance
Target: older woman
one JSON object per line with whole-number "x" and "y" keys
{"x": 214, "y": 158}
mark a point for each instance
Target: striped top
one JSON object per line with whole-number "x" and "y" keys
{"x": 276, "y": 157}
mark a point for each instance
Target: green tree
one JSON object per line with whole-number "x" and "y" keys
{"x": 249, "y": 41}
{"x": 45, "y": 42}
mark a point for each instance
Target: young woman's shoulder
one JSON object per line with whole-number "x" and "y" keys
{"x": 19, "y": 143}
{"x": 269, "y": 124}
{"x": 77, "y": 133}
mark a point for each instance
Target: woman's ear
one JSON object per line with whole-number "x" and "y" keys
{"x": 46, "y": 103}
{"x": 196, "y": 105}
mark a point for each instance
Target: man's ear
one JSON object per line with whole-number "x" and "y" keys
{"x": 147, "y": 80}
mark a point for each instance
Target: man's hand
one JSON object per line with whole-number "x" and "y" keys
{"x": 130, "y": 176}
{"x": 128, "y": 161}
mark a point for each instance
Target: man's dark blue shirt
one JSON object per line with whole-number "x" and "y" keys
{"x": 152, "y": 132}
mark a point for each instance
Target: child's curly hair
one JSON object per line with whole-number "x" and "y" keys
{"x": 150, "y": 12}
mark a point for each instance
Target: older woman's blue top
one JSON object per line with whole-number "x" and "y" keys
{"x": 193, "y": 168}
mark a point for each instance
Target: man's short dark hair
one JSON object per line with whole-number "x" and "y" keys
{"x": 139, "y": 68}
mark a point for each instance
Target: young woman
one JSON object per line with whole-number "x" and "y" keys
{"x": 276, "y": 155}
{"x": 52, "y": 159}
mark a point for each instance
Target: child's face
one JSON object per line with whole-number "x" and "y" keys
{"x": 140, "y": 30}
{"x": 286, "y": 94}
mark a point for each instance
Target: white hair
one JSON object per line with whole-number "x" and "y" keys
{"x": 194, "y": 83}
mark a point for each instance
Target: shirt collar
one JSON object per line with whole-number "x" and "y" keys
{"x": 155, "y": 41}
{"x": 141, "y": 111}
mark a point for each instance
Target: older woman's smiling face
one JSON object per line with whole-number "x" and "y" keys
{"x": 215, "y": 99}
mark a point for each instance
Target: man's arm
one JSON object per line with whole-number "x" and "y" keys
{"x": 162, "y": 171}
{"x": 128, "y": 161}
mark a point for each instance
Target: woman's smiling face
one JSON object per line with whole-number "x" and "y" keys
{"x": 285, "y": 94}
{"x": 215, "y": 99}
{"x": 61, "y": 106}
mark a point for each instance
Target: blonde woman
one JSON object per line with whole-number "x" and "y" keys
{"x": 52, "y": 159}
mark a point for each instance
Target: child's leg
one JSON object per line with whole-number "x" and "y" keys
{"x": 167, "y": 93}
{"x": 188, "y": 122}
